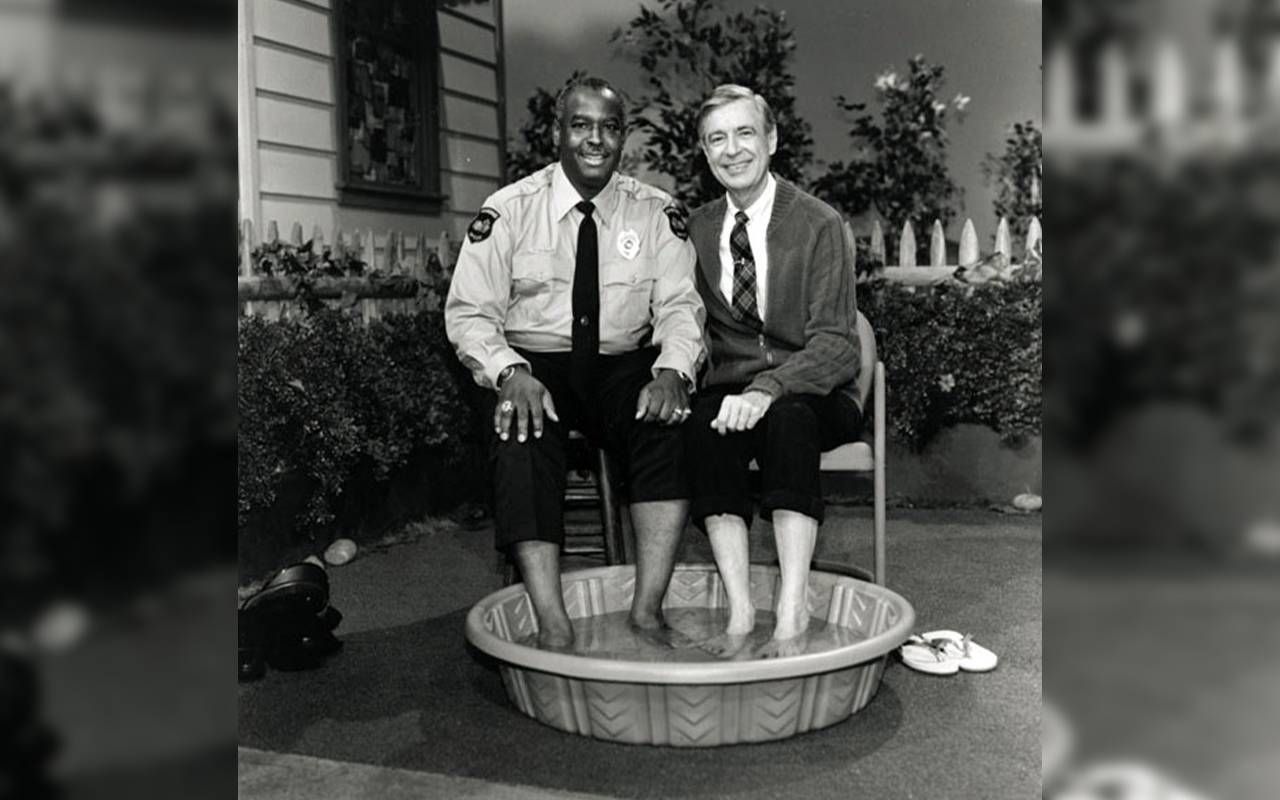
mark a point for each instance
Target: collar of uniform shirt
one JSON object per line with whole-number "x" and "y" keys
{"x": 564, "y": 197}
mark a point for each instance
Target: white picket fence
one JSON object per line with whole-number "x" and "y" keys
{"x": 404, "y": 260}
{"x": 1190, "y": 107}
{"x": 939, "y": 268}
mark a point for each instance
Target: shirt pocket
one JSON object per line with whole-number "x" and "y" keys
{"x": 535, "y": 285}
{"x": 625, "y": 291}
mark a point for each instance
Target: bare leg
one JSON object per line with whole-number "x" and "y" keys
{"x": 659, "y": 525}
{"x": 728, "y": 535}
{"x": 795, "y": 535}
{"x": 540, "y": 569}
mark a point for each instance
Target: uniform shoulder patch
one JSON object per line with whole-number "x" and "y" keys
{"x": 482, "y": 225}
{"x": 678, "y": 217}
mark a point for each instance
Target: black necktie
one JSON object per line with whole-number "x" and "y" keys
{"x": 744, "y": 271}
{"x": 586, "y": 303}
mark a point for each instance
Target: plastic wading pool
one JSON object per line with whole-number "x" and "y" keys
{"x": 700, "y": 703}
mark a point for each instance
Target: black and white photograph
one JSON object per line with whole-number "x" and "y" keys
{"x": 639, "y": 399}
{"x": 691, "y": 447}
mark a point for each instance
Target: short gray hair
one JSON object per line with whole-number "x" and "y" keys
{"x": 727, "y": 93}
{"x": 587, "y": 82}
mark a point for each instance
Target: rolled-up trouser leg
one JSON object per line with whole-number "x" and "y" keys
{"x": 790, "y": 455}
{"x": 528, "y": 486}
{"x": 717, "y": 464}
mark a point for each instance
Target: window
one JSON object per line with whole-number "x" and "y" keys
{"x": 388, "y": 108}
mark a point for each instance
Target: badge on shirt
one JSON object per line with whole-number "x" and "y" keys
{"x": 678, "y": 216}
{"x": 482, "y": 225}
{"x": 629, "y": 244}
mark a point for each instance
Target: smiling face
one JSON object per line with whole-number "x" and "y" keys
{"x": 589, "y": 137}
{"x": 738, "y": 148}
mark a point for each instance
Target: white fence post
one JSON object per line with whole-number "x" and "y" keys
{"x": 937, "y": 245}
{"x": 877, "y": 243}
{"x": 1169, "y": 100}
{"x": 1060, "y": 88}
{"x": 1003, "y": 245}
{"x": 968, "y": 244}
{"x": 907, "y": 246}
{"x": 1034, "y": 236}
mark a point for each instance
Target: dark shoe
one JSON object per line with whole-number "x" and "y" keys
{"x": 330, "y": 618}
{"x": 299, "y": 589}
{"x": 306, "y": 646}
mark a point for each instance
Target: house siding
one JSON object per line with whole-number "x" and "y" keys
{"x": 289, "y": 82}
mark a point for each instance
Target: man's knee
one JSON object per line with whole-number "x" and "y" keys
{"x": 791, "y": 415}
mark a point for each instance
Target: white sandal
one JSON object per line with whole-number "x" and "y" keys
{"x": 968, "y": 654}
{"x": 928, "y": 656}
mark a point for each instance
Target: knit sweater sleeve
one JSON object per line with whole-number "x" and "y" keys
{"x": 830, "y": 355}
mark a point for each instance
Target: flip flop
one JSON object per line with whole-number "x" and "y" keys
{"x": 928, "y": 656}
{"x": 967, "y": 654}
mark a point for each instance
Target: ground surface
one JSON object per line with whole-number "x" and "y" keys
{"x": 406, "y": 709}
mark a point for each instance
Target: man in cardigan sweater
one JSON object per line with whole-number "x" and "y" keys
{"x": 775, "y": 273}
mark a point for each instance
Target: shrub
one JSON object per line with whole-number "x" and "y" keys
{"x": 957, "y": 353}
{"x": 1171, "y": 292}
{"x": 327, "y": 396}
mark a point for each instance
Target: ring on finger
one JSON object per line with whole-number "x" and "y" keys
{"x": 507, "y": 406}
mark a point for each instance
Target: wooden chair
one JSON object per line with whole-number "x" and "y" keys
{"x": 596, "y": 491}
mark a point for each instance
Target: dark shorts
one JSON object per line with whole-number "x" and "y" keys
{"x": 529, "y": 478}
{"x": 787, "y": 445}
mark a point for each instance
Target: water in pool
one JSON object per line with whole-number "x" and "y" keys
{"x": 609, "y": 636}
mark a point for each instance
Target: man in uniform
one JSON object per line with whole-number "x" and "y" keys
{"x": 775, "y": 271}
{"x": 574, "y": 301}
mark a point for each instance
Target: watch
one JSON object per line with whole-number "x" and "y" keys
{"x": 506, "y": 374}
{"x": 689, "y": 384}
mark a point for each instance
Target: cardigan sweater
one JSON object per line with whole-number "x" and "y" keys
{"x": 808, "y": 343}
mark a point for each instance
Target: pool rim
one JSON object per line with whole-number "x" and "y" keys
{"x": 703, "y": 672}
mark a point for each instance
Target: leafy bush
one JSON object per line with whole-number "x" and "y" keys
{"x": 326, "y": 396}
{"x": 957, "y": 353}
{"x": 685, "y": 49}
{"x": 1017, "y": 174}
{"x": 1171, "y": 294}
{"x": 118, "y": 382}
{"x": 899, "y": 163}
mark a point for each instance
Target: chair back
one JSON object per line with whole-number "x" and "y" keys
{"x": 867, "y": 348}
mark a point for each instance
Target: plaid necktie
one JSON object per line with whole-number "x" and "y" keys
{"x": 744, "y": 271}
{"x": 586, "y": 303}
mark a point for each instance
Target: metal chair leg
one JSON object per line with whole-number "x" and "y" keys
{"x": 879, "y": 474}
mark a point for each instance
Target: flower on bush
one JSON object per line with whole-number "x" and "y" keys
{"x": 1130, "y": 329}
{"x": 947, "y": 382}
{"x": 886, "y": 80}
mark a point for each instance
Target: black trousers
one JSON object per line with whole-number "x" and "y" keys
{"x": 529, "y": 478}
{"x": 787, "y": 444}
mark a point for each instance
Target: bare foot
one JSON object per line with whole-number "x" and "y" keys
{"x": 556, "y": 637}
{"x": 781, "y": 648}
{"x": 654, "y": 630}
{"x": 790, "y": 637}
{"x": 725, "y": 645}
{"x": 730, "y": 643}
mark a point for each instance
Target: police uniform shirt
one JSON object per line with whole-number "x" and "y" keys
{"x": 513, "y": 283}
